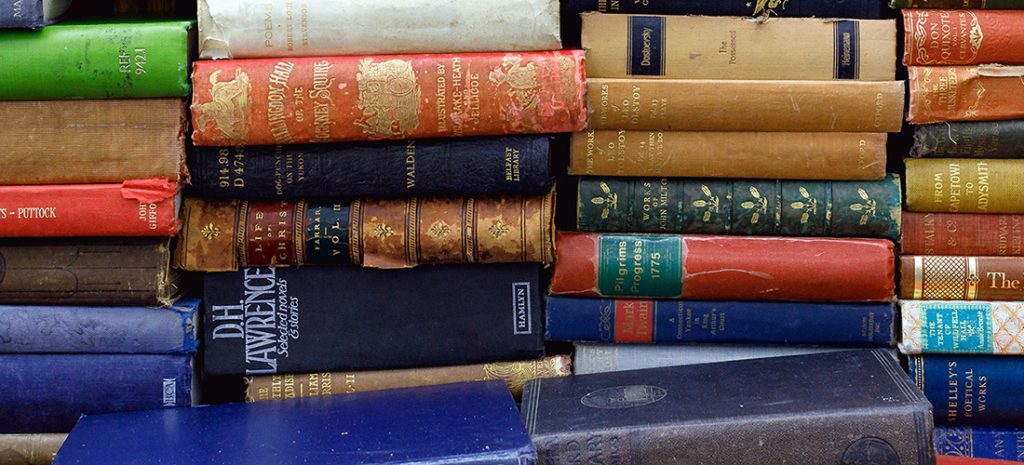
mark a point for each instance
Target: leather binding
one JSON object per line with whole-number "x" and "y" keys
{"x": 377, "y": 233}
{"x": 276, "y": 387}
{"x": 964, "y": 185}
{"x": 288, "y": 320}
{"x": 755, "y": 207}
{"x": 84, "y": 271}
{"x": 971, "y": 390}
{"x": 981, "y": 139}
{"x": 723, "y": 267}
{"x": 962, "y": 37}
{"x": 957, "y": 326}
{"x": 819, "y": 409}
{"x": 867, "y": 9}
{"x": 30, "y": 449}
{"x": 959, "y": 4}
{"x": 964, "y": 93}
{"x": 511, "y": 165}
{"x": 935, "y": 277}
{"x": 720, "y": 105}
{"x": 984, "y": 442}
{"x": 975, "y": 234}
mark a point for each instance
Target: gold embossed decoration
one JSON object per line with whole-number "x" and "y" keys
{"x": 389, "y": 97}
{"x": 523, "y": 88}
{"x": 866, "y": 209}
{"x": 610, "y": 201}
{"x": 808, "y": 206}
{"x": 499, "y": 228}
{"x": 979, "y": 92}
{"x": 759, "y": 205}
{"x": 768, "y": 7}
{"x": 440, "y": 230}
{"x": 947, "y": 278}
{"x": 228, "y": 108}
{"x": 210, "y": 231}
{"x": 710, "y": 202}
{"x": 383, "y": 231}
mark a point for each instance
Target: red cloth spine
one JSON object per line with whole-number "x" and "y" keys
{"x": 971, "y": 234}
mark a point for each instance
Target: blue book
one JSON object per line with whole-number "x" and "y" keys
{"x": 865, "y": 9}
{"x": 979, "y": 390}
{"x": 21, "y": 14}
{"x": 95, "y": 330}
{"x": 465, "y": 424}
{"x": 980, "y": 441}
{"x": 46, "y": 393}
{"x": 576, "y": 319}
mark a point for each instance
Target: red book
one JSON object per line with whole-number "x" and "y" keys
{"x": 723, "y": 267}
{"x": 970, "y": 234}
{"x": 146, "y": 207}
{"x": 294, "y": 100}
{"x": 963, "y": 37}
{"x": 954, "y": 460}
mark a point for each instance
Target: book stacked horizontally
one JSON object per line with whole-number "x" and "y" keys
{"x": 90, "y": 316}
{"x": 962, "y": 266}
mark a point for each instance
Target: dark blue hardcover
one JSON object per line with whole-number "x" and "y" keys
{"x": 980, "y": 441}
{"x": 442, "y": 167}
{"x": 980, "y": 390}
{"x": 464, "y": 424}
{"x": 21, "y": 14}
{"x": 576, "y": 319}
{"x": 864, "y": 9}
{"x": 46, "y": 393}
{"x": 310, "y": 319}
{"x": 112, "y": 330}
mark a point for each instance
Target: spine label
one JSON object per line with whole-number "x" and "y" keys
{"x": 632, "y": 265}
{"x": 962, "y": 327}
{"x": 634, "y": 321}
{"x": 847, "y": 50}
{"x": 646, "y": 55}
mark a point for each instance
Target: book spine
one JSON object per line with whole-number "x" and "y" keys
{"x": 722, "y": 268}
{"x": 145, "y": 207}
{"x": 962, "y": 37}
{"x": 488, "y": 166}
{"x": 90, "y": 135}
{"x": 252, "y": 102}
{"x": 982, "y": 139}
{"x": 47, "y": 393}
{"x": 589, "y": 358}
{"x": 964, "y": 93}
{"x": 961, "y": 4}
{"x": 21, "y": 14}
{"x": 866, "y": 9}
{"x": 962, "y": 327}
{"x": 229, "y": 29}
{"x": 713, "y": 206}
{"x": 83, "y": 272}
{"x": 30, "y": 449}
{"x": 684, "y": 105}
{"x": 73, "y": 61}
{"x": 703, "y": 47}
{"x": 288, "y": 386}
{"x": 764, "y": 155}
{"x": 964, "y": 185}
{"x": 980, "y": 441}
{"x": 961, "y": 278}
{"x": 664, "y": 321}
{"x": 971, "y": 389}
{"x": 962, "y": 234}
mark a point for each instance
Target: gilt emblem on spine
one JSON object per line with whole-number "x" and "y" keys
{"x": 867, "y": 209}
{"x": 228, "y": 108}
{"x": 710, "y": 202}
{"x": 523, "y": 90}
{"x": 610, "y": 201}
{"x": 808, "y": 205}
{"x": 768, "y": 7}
{"x": 389, "y": 97}
{"x": 759, "y": 205}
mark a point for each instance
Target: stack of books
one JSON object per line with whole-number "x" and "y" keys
{"x": 963, "y": 240}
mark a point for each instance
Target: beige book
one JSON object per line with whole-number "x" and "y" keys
{"x": 29, "y": 449}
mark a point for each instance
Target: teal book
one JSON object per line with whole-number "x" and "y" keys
{"x": 97, "y": 60}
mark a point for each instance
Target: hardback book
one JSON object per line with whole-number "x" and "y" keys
{"x": 46, "y": 393}
{"x": 970, "y": 139}
{"x": 374, "y": 233}
{"x": 510, "y": 165}
{"x": 723, "y": 267}
{"x": 977, "y": 234}
{"x": 589, "y": 358}
{"x": 980, "y": 442}
{"x": 962, "y": 37}
{"x": 30, "y": 14}
{"x": 944, "y": 277}
{"x": 957, "y": 326}
{"x": 92, "y": 141}
{"x": 96, "y": 330}
{"x": 289, "y": 386}
{"x": 764, "y": 155}
{"x": 289, "y": 320}
{"x": 727, "y": 206}
{"x": 972, "y": 390}
{"x": 797, "y": 8}
{"x": 229, "y": 29}
{"x": 964, "y": 185}
{"x": 88, "y": 271}
{"x": 252, "y": 102}
{"x": 838, "y": 407}
{"x": 725, "y": 105}
{"x": 137, "y": 207}
{"x": 964, "y": 4}
{"x": 964, "y": 93}
{"x": 455, "y": 424}
{"x": 30, "y": 449}
{"x": 706, "y": 47}
{"x": 637, "y": 321}
{"x": 109, "y": 59}
{"x": 957, "y": 460}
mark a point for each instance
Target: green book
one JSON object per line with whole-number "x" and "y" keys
{"x": 95, "y": 60}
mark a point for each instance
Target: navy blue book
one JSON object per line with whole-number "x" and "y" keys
{"x": 574, "y": 319}
{"x": 46, "y": 393}
{"x": 464, "y": 424}
{"x": 21, "y": 14}
{"x": 414, "y": 168}
{"x": 316, "y": 319}
{"x": 864, "y": 9}
{"x": 980, "y": 390}
{"x": 980, "y": 441}
{"x": 96, "y": 330}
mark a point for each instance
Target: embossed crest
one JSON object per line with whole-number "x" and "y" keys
{"x": 624, "y": 397}
{"x": 759, "y": 205}
{"x": 808, "y": 205}
{"x": 870, "y": 451}
{"x": 523, "y": 87}
{"x": 440, "y": 229}
{"x": 389, "y": 97}
{"x": 710, "y": 201}
{"x": 867, "y": 209}
{"x": 499, "y": 228}
{"x": 210, "y": 231}
{"x": 228, "y": 108}
{"x": 610, "y": 200}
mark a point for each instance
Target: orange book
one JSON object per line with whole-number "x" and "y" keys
{"x": 965, "y": 93}
{"x": 963, "y": 37}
